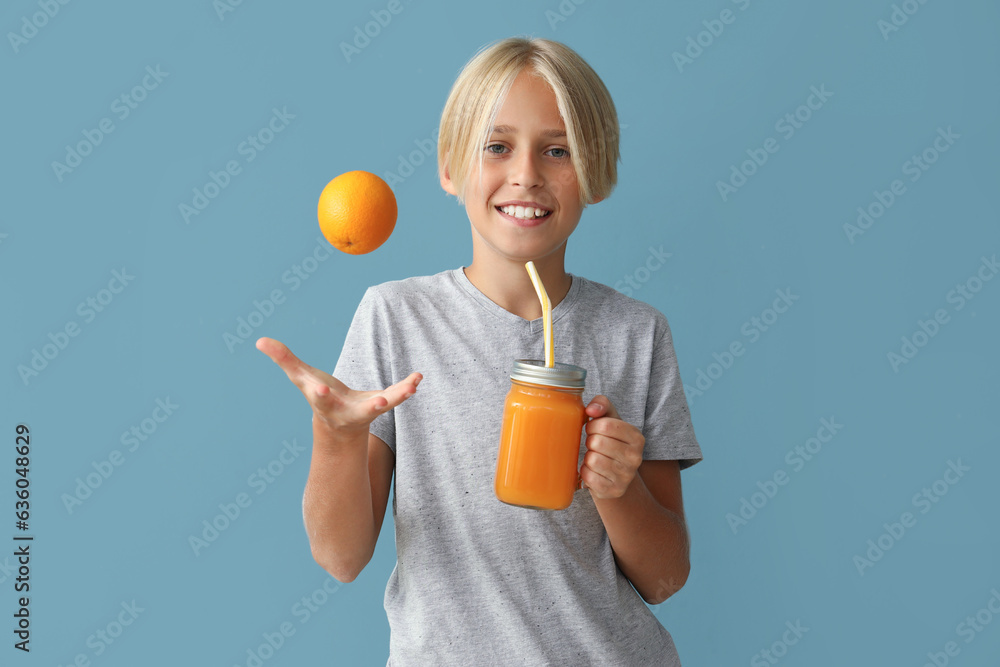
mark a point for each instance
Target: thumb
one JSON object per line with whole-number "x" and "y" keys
{"x": 601, "y": 406}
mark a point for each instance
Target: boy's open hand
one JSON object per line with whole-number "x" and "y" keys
{"x": 333, "y": 402}
{"x": 614, "y": 451}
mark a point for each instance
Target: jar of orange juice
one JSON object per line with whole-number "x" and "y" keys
{"x": 543, "y": 419}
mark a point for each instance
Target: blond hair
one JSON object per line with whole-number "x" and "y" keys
{"x": 582, "y": 98}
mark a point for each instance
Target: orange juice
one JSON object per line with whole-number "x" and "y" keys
{"x": 543, "y": 419}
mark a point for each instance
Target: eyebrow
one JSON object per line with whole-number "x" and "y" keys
{"x": 507, "y": 129}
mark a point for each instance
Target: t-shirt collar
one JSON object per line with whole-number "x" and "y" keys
{"x": 527, "y": 326}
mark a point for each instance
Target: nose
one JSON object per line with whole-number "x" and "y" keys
{"x": 525, "y": 170}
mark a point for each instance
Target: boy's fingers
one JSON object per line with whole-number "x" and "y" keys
{"x": 294, "y": 368}
{"x": 398, "y": 392}
{"x": 377, "y": 405}
{"x": 406, "y": 385}
{"x": 316, "y": 384}
{"x": 278, "y": 353}
{"x": 601, "y": 404}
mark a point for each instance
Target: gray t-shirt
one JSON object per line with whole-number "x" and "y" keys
{"x": 479, "y": 582}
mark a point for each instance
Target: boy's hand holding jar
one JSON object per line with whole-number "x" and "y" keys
{"x": 614, "y": 451}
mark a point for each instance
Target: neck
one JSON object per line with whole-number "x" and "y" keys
{"x": 507, "y": 282}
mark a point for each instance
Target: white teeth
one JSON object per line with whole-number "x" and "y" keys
{"x": 524, "y": 212}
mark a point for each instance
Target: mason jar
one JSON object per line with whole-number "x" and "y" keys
{"x": 543, "y": 419}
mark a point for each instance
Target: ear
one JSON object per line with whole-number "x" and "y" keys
{"x": 596, "y": 201}
{"x": 446, "y": 182}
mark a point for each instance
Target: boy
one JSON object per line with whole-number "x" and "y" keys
{"x": 529, "y": 137}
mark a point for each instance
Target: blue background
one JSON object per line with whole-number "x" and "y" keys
{"x": 684, "y": 128}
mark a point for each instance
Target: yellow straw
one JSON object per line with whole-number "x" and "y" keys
{"x": 543, "y": 297}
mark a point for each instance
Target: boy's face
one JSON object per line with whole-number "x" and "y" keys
{"x": 526, "y": 163}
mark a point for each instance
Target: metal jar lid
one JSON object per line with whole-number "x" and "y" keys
{"x": 566, "y": 376}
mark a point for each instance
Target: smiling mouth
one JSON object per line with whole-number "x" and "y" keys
{"x": 524, "y": 212}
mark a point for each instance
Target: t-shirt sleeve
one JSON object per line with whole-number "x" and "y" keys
{"x": 365, "y": 363}
{"x": 667, "y": 428}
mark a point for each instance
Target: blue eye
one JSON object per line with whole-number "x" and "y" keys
{"x": 500, "y": 149}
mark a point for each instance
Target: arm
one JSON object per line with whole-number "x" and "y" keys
{"x": 640, "y": 503}
{"x": 345, "y": 499}
{"x": 647, "y": 531}
{"x": 351, "y": 470}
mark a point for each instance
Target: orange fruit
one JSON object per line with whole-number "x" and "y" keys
{"x": 357, "y": 212}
